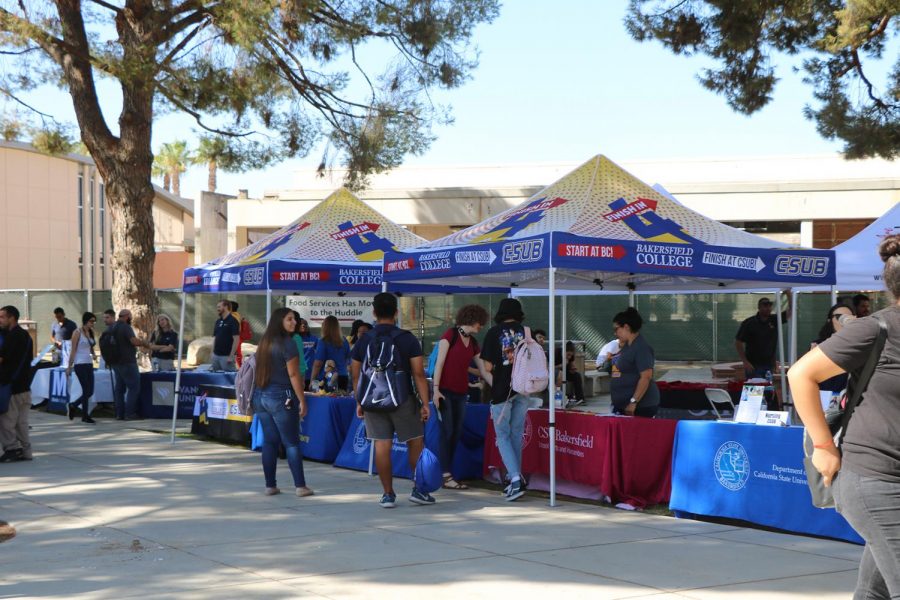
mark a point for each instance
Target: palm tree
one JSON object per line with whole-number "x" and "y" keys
{"x": 171, "y": 161}
{"x": 210, "y": 153}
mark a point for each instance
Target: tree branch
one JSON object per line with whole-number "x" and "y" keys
{"x": 12, "y": 96}
{"x": 870, "y": 89}
{"x": 111, "y": 7}
{"x": 168, "y": 95}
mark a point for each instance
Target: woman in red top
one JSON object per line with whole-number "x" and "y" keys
{"x": 456, "y": 350}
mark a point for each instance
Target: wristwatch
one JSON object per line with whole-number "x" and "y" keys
{"x": 633, "y": 400}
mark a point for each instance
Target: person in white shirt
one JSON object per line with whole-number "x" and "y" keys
{"x": 606, "y": 354}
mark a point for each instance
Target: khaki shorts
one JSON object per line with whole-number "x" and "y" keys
{"x": 406, "y": 422}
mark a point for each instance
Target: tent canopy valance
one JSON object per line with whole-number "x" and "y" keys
{"x": 603, "y": 229}
{"x": 335, "y": 247}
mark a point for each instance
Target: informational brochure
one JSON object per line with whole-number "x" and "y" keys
{"x": 751, "y": 402}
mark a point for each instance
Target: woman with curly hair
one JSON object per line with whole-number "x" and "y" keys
{"x": 456, "y": 351}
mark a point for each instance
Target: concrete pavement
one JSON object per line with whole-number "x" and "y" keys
{"x": 111, "y": 511}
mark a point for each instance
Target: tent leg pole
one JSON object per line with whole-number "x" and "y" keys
{"x": 372, "y": 458}
{"x": 562, "y": 344}
{"x": 631, "y": 298}
{"x": 784, "y": 398}
{"x": 178, "y": 367}
{"x": 551, "y": 389}
{"x": 794, "y": 297}
{"x": 268, "y": 304}
{"x": 834, "y": 295}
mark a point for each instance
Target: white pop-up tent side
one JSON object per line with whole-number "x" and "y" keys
{"x": 600, "y": 228}
{"x": 858, "y": 266}
{"x": 334, "y": 248}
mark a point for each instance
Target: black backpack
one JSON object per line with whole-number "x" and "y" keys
{"x": 382, "y": 386}
{"x": 109, "y": 346}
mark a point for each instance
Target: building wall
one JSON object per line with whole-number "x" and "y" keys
{"x": 798, "y": 196}
{"x": 56, "y": 226}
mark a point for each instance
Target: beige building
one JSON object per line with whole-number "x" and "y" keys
{"x": 57, "y": 226}
{"x": 808, "y": 200}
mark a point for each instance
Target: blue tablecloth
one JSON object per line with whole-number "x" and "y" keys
{"x": 158, "y": 390}
{"x": 749, "y": 472}
{"x": 467, "y": 463}
{"x": 325, "y": 426}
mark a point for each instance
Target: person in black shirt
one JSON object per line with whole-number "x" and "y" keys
{"x": 508, "y": 408}
{"x": 163, "y": 344}
{"x": 837, "y": 314}
{"x": 227, "y": 337}
{"x": 757, "y": 339}
{"x": 15, "y": 370}
{"x": 61, "y": 334}
{"x": 865, "y": 471}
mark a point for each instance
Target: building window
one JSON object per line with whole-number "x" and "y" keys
{"x": 92, "y": 215}
{"x": 102, "y": 236}
{"x": 81, "y": 228}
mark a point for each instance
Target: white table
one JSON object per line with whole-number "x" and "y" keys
{"x": 53, "y": 382}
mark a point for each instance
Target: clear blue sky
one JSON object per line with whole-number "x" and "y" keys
{"x": 562, "y": 81}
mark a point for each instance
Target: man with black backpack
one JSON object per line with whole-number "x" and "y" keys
{"x": 384, "y": 364}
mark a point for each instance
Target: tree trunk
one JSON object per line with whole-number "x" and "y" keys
{"x": 167, "y": 182}
{"x": 211, "y": 181}
{"x": 176, "y": 183}
{"x": 130, "y": 202}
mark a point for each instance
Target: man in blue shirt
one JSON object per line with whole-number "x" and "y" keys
{"x": 407, "y": 420}
{"x": 226, "y": 337}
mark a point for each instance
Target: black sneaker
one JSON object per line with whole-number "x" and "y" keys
{"x": 516, "y": 491}
{"x": 70, "y": 412}
{"x": 417, "y": 497}
{"x": 12, "y": 456}
{"x": 388, "y": 500}
{"x": 87, "y": 420}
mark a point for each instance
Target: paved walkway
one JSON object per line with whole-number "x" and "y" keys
{"x": 114, "y": 512}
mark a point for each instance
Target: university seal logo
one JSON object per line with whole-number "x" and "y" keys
{"x": 360, "y": 443}
{"x": 732, "y": 466}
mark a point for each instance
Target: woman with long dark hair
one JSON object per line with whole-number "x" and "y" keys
{"x": 865, "y": 470}
{"x": 331, "y": 346}
{"x": 81, "y": 360}
{"x": 278, "y": 400}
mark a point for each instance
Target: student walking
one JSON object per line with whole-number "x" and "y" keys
{"x": 81, "y": 361}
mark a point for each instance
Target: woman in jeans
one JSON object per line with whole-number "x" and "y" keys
{"x": 508, "y": 408}
{"x": 278, "y": 399}
{"x": 456, "y": 350}
{"x": 865, "y": 472}
{"x": 81, "y": 360}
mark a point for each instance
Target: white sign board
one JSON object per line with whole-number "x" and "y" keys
{"x": 774, "y": 417}
{"x": 314, "y": 308}
{"x": 751, "y": 403}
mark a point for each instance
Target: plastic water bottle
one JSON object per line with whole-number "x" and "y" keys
{"x": 558, "y": 398}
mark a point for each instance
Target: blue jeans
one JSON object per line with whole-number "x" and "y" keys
{"x": 453, "y": 411}
{"x": 85, "y": 375}
{"x": 509, "y": 425}
{"x": 872, "y": 507}
{"x": 281, "y": 426}
{"x": 127, "y": 390}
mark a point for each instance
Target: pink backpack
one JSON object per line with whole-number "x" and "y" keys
{"x": 529, "y": 372}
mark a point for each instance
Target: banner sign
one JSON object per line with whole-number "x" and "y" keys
{"x": 315, "y": 308}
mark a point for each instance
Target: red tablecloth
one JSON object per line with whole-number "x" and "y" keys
{"x": 628, "y": 459}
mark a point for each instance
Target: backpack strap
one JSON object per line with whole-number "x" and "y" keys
{"x": 860, "y": 385}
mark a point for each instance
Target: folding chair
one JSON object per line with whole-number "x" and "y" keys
{"x": 719, "y": 397}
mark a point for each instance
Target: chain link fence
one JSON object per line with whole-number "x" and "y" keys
{"x": 680, "y": 327}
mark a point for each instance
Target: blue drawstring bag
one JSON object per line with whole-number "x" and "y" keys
{"x": 428, "y": 476}
{"x": 256, "y": 434}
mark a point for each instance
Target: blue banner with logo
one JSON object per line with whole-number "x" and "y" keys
{"x": 475, "y": 259}
{"x": 325, "y": 426}
{"x": 158, "y": 391}
{"x": 750, "y": 472}
{"x": 689, "y": 260}
{"x": 695, "y": 260}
